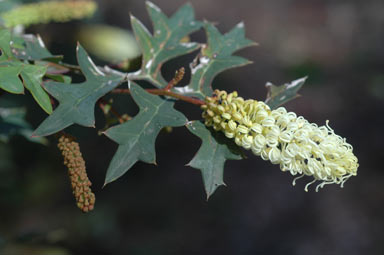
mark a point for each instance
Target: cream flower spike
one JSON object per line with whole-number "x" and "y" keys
{"x": 300, "y": 147}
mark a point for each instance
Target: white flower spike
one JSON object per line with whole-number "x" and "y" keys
{"x": 300, "y": 147}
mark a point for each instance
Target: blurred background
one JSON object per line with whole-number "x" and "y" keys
{"x": 162, "y": 209}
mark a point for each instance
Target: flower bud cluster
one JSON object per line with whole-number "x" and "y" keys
{"x": 300, "y": 147}
{"x": 48, "y": 11}
{"x": 73, "y": 159}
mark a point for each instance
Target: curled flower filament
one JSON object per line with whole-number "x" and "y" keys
{"x": 283, "y": 138}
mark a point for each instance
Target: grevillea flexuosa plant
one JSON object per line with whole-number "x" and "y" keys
{"x": 229, "y": 122}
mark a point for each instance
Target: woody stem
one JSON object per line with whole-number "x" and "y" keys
{"x": 164, "y": 92}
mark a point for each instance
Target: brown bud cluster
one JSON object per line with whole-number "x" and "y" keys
{"x": 73, "y": 159}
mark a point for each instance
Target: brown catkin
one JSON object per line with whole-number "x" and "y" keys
{"x": 81, "y": 185}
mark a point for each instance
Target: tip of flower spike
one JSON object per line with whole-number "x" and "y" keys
{"x": 309, "y": 184}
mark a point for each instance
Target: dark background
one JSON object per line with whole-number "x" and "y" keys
{"x": 162, "y": 209}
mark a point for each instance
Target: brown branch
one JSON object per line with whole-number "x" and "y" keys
{"x": 167, "y": 90}
{"x": 163, "y": 92}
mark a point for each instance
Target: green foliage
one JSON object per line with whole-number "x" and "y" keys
{"x": 136, "y": 137}
{"x": 165, "y": 43}
{"x": 25, "y": 62}
{"x": 215, "y": 57}
{"x": 210, "y": 159}
{"x": 279, "y": 95}
{"x": 31, "y": 47}
{"x": 9, "y": 79}
{"x": 77, "y": 101}
{"x": 31, "y": 75}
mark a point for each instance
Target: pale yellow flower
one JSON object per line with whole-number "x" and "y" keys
{"x": 48, "y": 11}
{"x": 300, "y": 147}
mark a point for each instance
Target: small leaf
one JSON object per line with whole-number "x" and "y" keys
{"x": 12, "y": 69}
{"x": 77, "y": 101}
{"x": 136, "y": 137}
{"x": 279, "y": 95}
{"x": 215, "y": 58}
{"x": 32, "y": 76}
{"x": 210, "y": 159}
{"x": 10, "y": 81}
{"x": 165, "y": 43}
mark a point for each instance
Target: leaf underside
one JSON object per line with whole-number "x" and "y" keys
{"x": 136, "y": 137}
{"x": 211, "y": 157}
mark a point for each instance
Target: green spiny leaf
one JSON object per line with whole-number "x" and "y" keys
{"x": 165, "y": 43}
{"x": 77, "y": 101}
{"x": 216, "y": 57}
{"x": 10, "y": 81}
{"x": 213, "y": 153}
{"x": 278, "y": 95}
{"x": 136, "y": 137}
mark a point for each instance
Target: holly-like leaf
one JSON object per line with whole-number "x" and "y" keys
{"x": 136, "y": 137}
{"x": 165, "y": 43}
{"x": 10, "y": 81}
{"x": 215, "y": 58}
{"x": 12, "y": 69}
{"x": 278, "y": 95}
{"x": 210, "y": 159}
{"x": 77, "y": 101}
